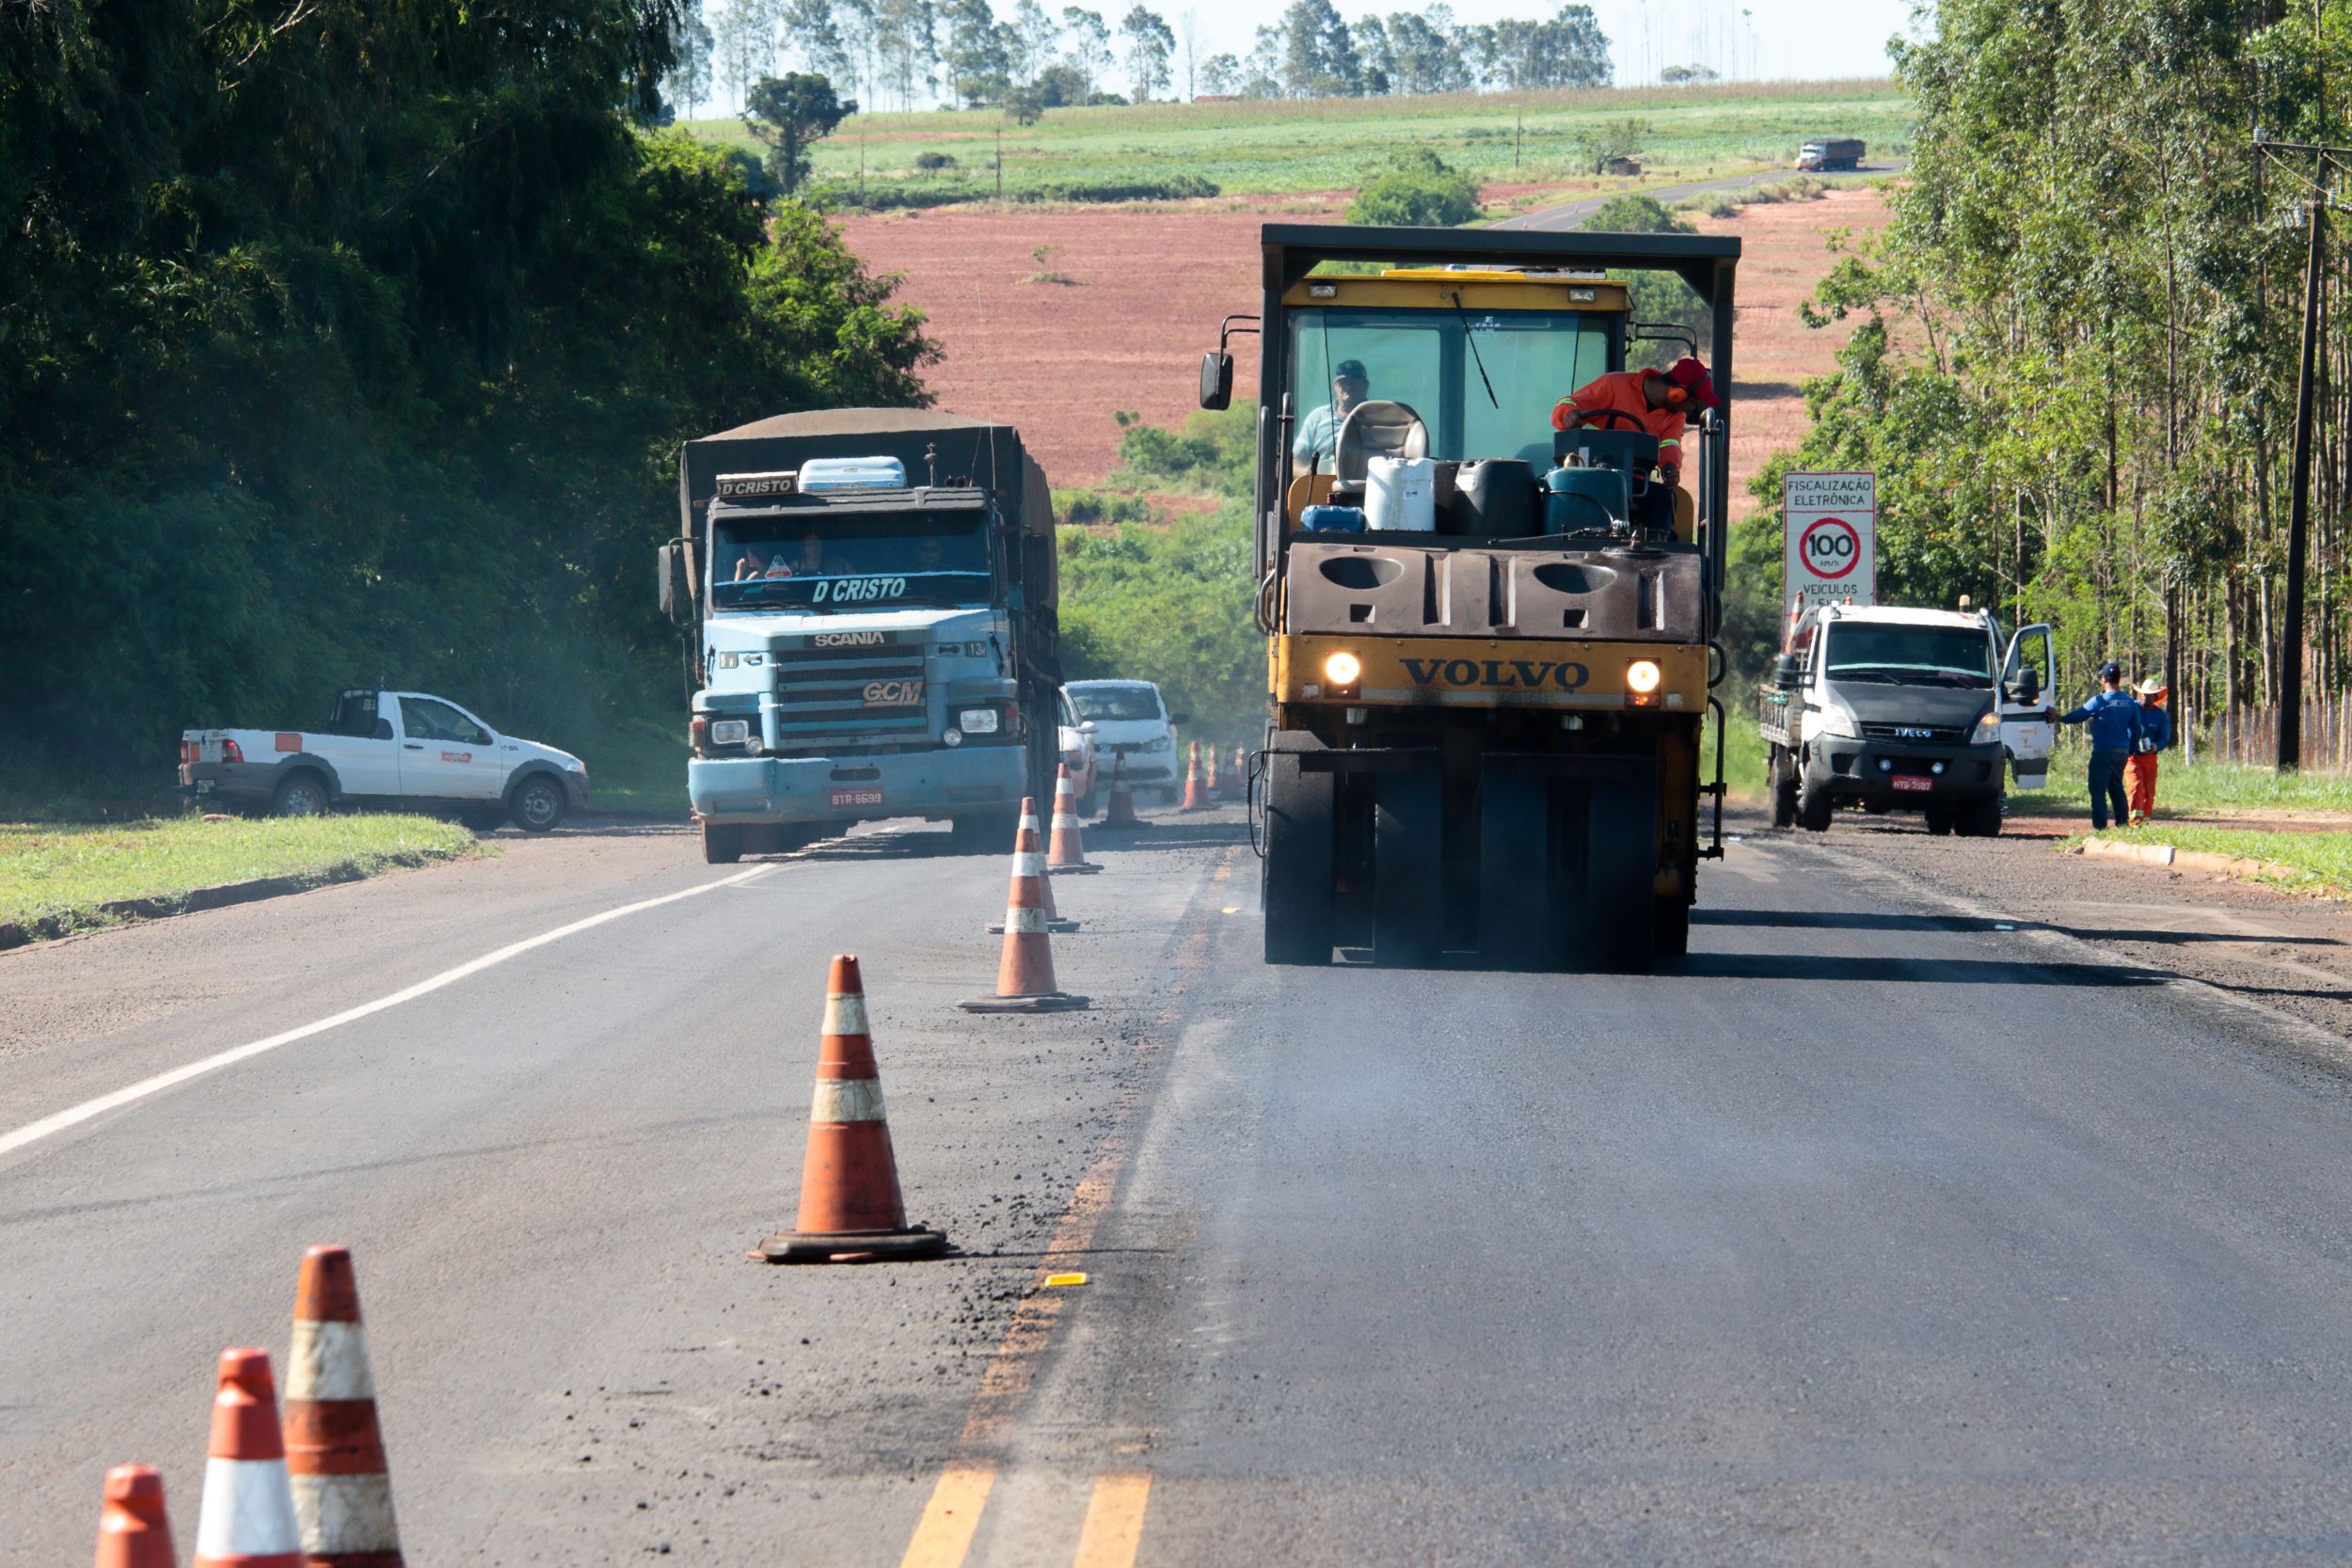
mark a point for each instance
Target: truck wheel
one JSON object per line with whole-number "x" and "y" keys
{"x": 723, "y": 843}
{"x": 1783, "y": 777}
{"x": 1813, "y": 810}
{"x": 1296, "y": 886}
{"x": 301, "y": 794}
{"x": 1981, "y": 817}
{"x": 537, "y": 805}
{"x": 1939, "y": 820}
{"x": 1407, "y": 857}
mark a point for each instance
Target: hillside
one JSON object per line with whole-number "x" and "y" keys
{"x": 1280, "y": 147}
{"x": 1140, "y": 292}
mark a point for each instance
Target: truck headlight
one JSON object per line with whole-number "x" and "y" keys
{"x": 728, "y": 661}
{"x": 1642, "y": 676}
{"x": 1840, "y": 721}
{"x": 730, "y": 731}
{"x": 978, "y": 721}
{"x": 953, "y": 737}
{"x": 1163, "y": 743}
{"x": 1989, "y": 726}
{"x": 1343, "y": 669}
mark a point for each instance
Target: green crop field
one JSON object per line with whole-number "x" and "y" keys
{"x": 1277, "y": 147}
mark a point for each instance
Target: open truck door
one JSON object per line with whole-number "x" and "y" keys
{"x": 2026, "y": 731}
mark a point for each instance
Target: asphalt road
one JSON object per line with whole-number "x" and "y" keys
{"x": 1876, "y": 1233}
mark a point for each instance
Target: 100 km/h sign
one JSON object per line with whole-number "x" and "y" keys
{"x": 1831, "y": 522}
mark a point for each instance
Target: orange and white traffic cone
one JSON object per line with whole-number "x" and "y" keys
{"x": 132, "y": 1529}
{"x": 1066, "y": 854}
{"x": 1025, "y": 972}
{"x": 1237, "y": 776}
{"x": 851, "y": 1210}
{"x": 1196, "y": 787}
{"x": 1025, "y": 852}
{"x": 247, "y": 1520}
{"x": 342, "y": 1488}
{"x": 1214, "y": 788}
{"x": 1120, "y": 813}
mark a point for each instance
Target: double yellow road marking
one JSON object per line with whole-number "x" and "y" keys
{"x": 1109, "y": 1539}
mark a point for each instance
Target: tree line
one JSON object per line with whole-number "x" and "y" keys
{"x": 341, "y": 343}
{"x": 904, "y": 52}
{"x": 2075, "y": 365}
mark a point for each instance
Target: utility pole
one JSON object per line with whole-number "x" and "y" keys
{"x": 2315, "y": 207}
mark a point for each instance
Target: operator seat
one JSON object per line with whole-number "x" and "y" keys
{"x": 1376, "y": 429}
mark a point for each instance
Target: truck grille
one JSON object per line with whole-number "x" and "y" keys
{"x": 1922, "y": 735}
{"x": 834, "y": 701}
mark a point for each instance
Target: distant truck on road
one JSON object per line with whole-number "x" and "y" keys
{"x": 406, "y": 749}
{"x": 873, "y": 598}
{"x": 1894, "y": 709}
{"x": 1830, "y": 152}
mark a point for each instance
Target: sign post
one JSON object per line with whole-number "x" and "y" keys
{"x": 1831, "y": 556}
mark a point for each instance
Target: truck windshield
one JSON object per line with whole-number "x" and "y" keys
{"x": 812, "y": 560}
{"x": 1921, "y": 656}
{"x": 1422, "y": 359}
{"x": 1115, "y": 703}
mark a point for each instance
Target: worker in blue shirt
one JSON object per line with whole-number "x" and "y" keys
{"x": 2115, "y": 722}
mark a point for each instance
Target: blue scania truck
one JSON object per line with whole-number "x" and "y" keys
{"x": 871, "y": 598}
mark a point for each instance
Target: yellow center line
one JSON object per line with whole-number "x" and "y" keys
{"x": 944, "y": 1534}
{"x": 1114, "y": 1526}
{"x": 950, "y": 1518}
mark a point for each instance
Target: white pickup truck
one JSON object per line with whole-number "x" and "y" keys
{"x": 404, "y": 749}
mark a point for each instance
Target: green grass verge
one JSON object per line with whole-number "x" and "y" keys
{"x": 1744, "y": 758}
{"x": 2207, "y": 786}
{"x": 62, "y": 871}
{"x": 1260, "y": 147}
{"x": 2319, "y": 862}
{"x": 639, "y": 771}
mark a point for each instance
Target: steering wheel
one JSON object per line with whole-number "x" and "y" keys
{"x": 1585, "y": 417}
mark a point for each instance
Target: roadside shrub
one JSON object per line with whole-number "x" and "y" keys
{"x": 1417, "y": 190}
{"x": 1100, "y": 506}
{"x": 1216, "y": 452}
{"x": 931, "y": 163}
{"x": 1174, "y": 187}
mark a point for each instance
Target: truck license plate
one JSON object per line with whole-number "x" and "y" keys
{"x": 868, "y": 796}
{"x": 1913, "y": 781}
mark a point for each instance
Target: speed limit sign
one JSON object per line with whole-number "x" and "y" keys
{"x": 1832, "y": 537}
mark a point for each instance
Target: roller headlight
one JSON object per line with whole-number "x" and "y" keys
{"x": 1343, "y": 669}
{"x": 1642, "y": 676}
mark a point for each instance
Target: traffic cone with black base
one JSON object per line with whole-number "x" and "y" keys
{"x": 851, "y": 1210}
{"x": 1196, "y": 787}
{"x": 1120, "y": 812}
{"x": 1066, "y": 855}
{"x": 247, "y": 1520}
{"x": 132, "y": 1529}
{"x": 342, "y": 1488}
{"x": 1025, "y": 972}
{"x": 1025, "y": 852}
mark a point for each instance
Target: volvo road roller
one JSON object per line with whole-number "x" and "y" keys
{"x": 1491, "y": 611}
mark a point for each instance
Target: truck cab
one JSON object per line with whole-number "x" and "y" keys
{"x": 1889, "y": 709}
{"x": 872, "y": 594}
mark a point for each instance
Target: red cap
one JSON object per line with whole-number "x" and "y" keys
{"x": 1692, "y": 378}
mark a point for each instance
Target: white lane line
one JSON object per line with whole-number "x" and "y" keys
{"x": 74, "y": 1117}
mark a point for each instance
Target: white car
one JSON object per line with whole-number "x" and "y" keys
{"x": 388, "y": 749}
{"x": 1078, "y": 754}
{"x": 1131, "y": 721}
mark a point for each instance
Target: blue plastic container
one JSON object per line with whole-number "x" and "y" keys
{"x": 1332, "y": 519}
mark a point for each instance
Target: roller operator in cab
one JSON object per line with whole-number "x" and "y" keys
{"x": 1658, "y": 402}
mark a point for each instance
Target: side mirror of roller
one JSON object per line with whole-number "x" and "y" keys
{"x": 1217, "y": 380}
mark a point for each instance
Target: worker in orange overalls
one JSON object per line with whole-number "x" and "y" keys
{"x": 2155, "y": 733}
{"x": 1658, "y": 401}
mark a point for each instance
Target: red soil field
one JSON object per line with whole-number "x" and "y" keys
{"x": 1147, "y": 286}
